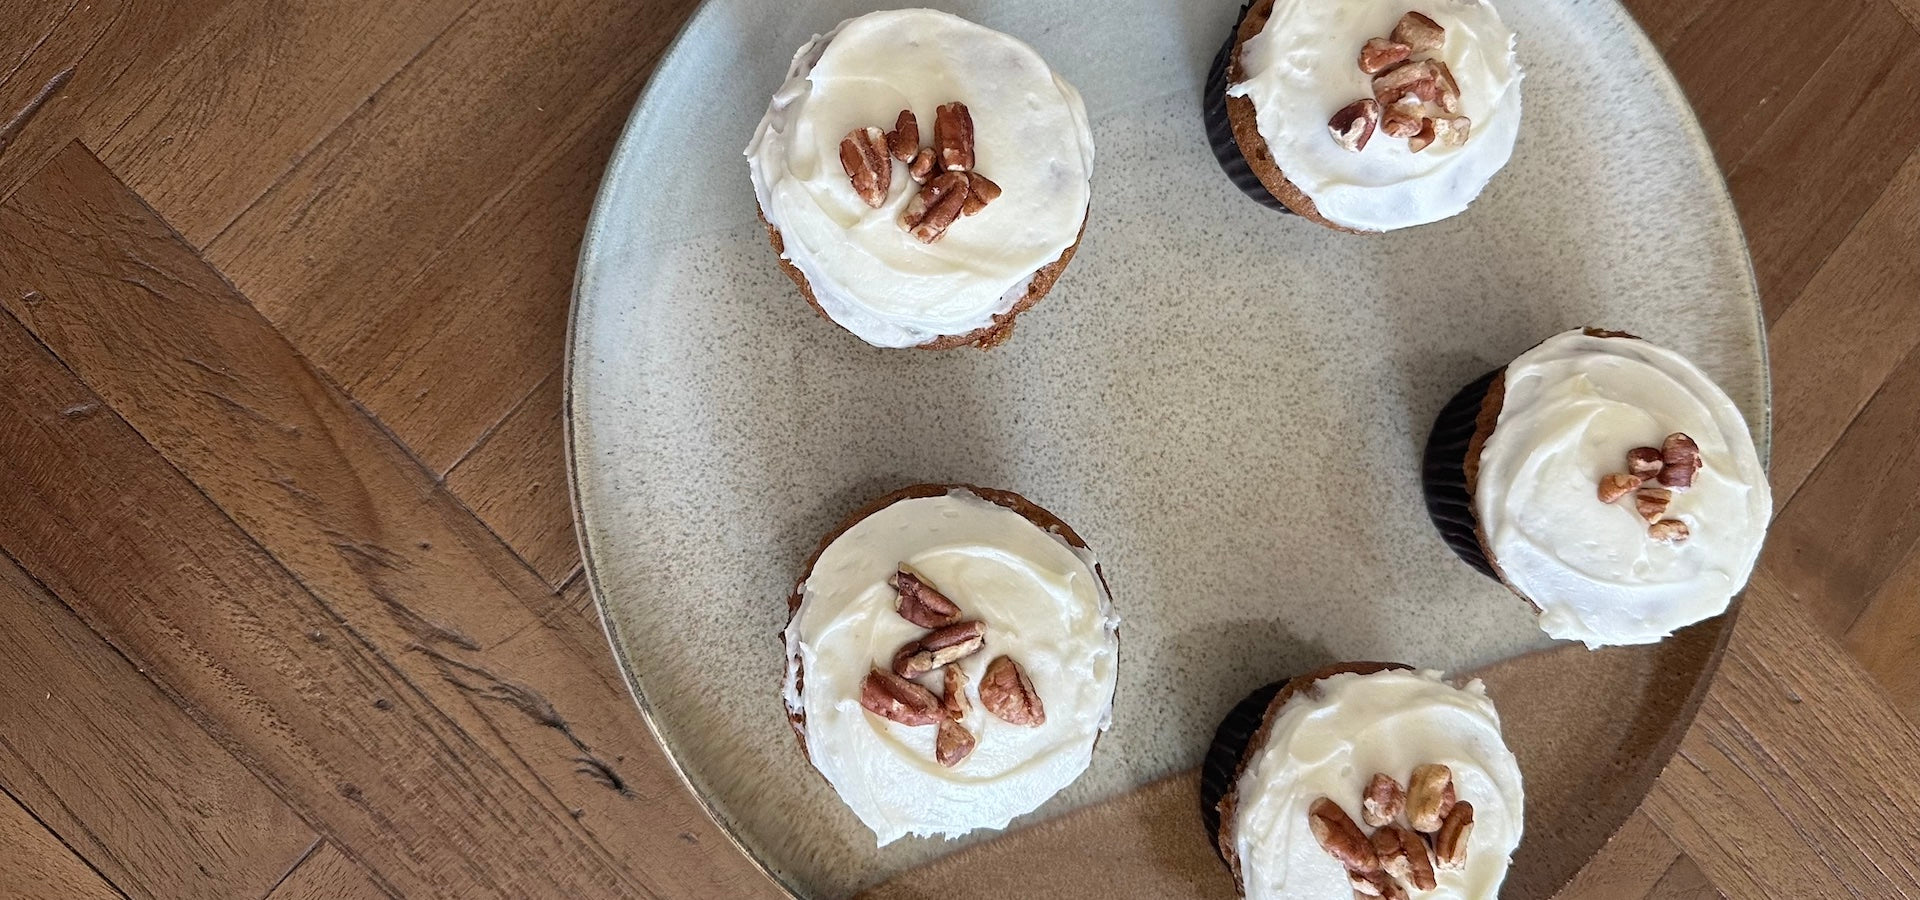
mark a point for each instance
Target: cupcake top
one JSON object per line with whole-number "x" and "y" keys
{"x": 1343, "y": 739}
{"x": 867, "y": 271}
{"x": 1032, "y": 697}
{"x": 1581, "y": 498}
{"x": 1305, "y": 69}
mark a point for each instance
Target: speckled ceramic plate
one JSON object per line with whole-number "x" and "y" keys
{"x": 1229, "y": 404}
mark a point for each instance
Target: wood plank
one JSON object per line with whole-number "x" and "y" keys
{"x": 1730, "y": 36}
{"x": 1910, "y": 9}
{"x": 238, "y": 103}
{"x": 1757, "y": 795}
{"x": 1856, "y": 321}
{"x": 516, "y": 482}
{"x": 1685, "y": 880}
{"x": 107, "y": 760}
{"x": 434, "y": 243}
{"x": 1858, "y": 515}
{"x": 38, "y": 866}
{"x": 328, "y": 874}
{"x": 429, "y": 591}
{"x": 1804, "y": 183}
{"x": 1886, "y": 636}
{"x": 1629, "y": 866}
{"x": 107, "y": 51}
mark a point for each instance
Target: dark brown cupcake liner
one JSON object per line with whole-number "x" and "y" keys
{"x": 1230, "y": 741}
{"x": 1213, "y": 110}
{"x": 1443, "y": 474}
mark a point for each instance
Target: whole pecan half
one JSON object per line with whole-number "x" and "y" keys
{"x": 938, "y": 648}
{"x": 863, "y": 154}
{"x": 898, "y": 700}
{"x": 1342, "y": 839}
{"x": 953, "y": 137}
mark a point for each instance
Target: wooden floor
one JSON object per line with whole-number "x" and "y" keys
{"x": 290, "y": 604}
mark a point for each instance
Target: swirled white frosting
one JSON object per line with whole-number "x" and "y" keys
{"x": 1574, "y": 406}
{"x": 1043, "y": 605}
{"x": 1330, "y": 740}
{"x": 1303, "y": 67}
{"x": 867, "y": 273}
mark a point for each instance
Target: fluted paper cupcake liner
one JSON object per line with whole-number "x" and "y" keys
{"x": 1229, "y": 744}
{"x": 1213, "y": 106}
{"x": 1443, "y": 475}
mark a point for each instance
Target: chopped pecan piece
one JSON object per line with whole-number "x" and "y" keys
{"x": 936, "y": 207}
{"x": 919, "y": 603}
{"x": 1450, "y": 844}
{"x": 938, "y": 648}
{"x": 896, "y": 699}
{"x": 1617, "y": 485}
{"x": 1430, "y": 796}
{"x": 904, "y": 139}
{"x": 1383, "y": 800}
{"x": 1352, "y": 127}
{"x": 1669, "y": 531}
{"x": 953, "y": 693}
{"x": 1381, "y": 54}
{"x": 953, "y": 137}
{"x": 1342, "y": 839}
{"x": 1643, "y": 462}
{"x": 1415, "y": 79}
{"x": 1398, "y": 122}
{"x": 1420, "y": 33}
{"x": 952, "y": 743}
{"x": 1680, "y": 459}
{"x": 1451, "y": 131}
{"x": 863, "y": 154}
{"x": 980, "y": 192}
{"x": 1446, "y": 90}
{"x": 1422, "y": 138}
{"x": 1651, "y": 503}
{"x": 1007, "y": 693}
{"x": 921, "y": 168}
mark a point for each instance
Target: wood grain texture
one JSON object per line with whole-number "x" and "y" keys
{"x": 38, "y": 866}
{"x": 402, "y": 188}
{"x": 409, "y": 201}
{"x": 244, "y": 97}
{"x": 110, "y": 52}
{"x": 516, "y": 482}
{"x": 1758, "y": 795}
{"x": 1802, "y": 184}
{"x": 1836, "y": 345}
{"x": 1858, "y": 516}
{"x": 427, "y": 588}
{"x": 115, "y": 767}
{"x": 328, "y": 874}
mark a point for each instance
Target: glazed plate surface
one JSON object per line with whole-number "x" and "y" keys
{"x": 1227, "y": 403}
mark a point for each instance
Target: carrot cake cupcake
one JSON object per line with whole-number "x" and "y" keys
{"x": 1364, "y": 780}
{"x": 951, "y": 657}
{"x": 924, "y": 179}
{"x": 1365, "y": 115}
{"x": 1607, "y": 481}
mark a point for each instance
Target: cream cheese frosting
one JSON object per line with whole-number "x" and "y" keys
{"x": 1303, "y": 67}
{"x": 867, "y": 273}
{"x": 1044, "y": 605}
{"x": 1574, "y": 406}
{"x": 1329, "y": 740}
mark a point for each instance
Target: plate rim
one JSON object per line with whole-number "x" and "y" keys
{"x": 593, "y": 236}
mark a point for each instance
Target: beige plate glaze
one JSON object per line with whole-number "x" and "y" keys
{"x": 1227, "y": 403}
